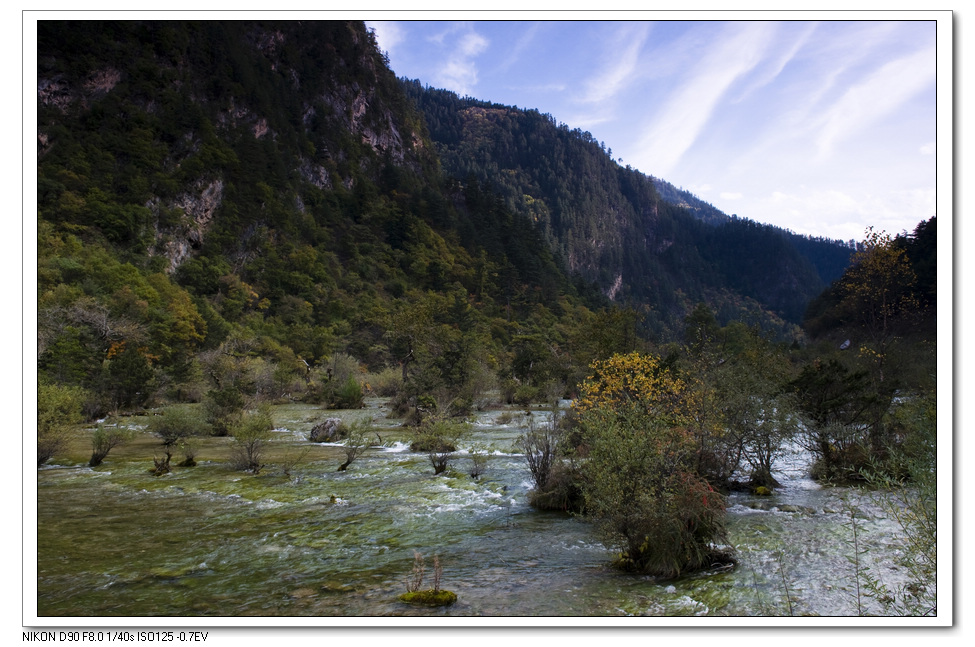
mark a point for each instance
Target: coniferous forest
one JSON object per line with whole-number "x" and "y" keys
{"x": 235, "y": 217}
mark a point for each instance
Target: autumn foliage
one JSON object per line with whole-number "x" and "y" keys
{"x": 639, "y": 483}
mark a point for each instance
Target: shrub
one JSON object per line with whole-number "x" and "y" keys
{"x": 250, "y": 438}
{"x": 525, "y": 394}
{"x": 341, "y": 388}
{"x": 173, "y": 425}
{"x": 58, "y": 407}
{"x": 355, "y": 442}
{"x": 539, "y": 444}
{"x": 188, "y": 447}
{"x": 478, "y": 456}
{"x": 562, "y": 490}
{"x": 438, "y": 439}
{"x": 638, "y": 488}
{"x": 387, "y": 383}
{"x": 843, "y": 410}
{"x": 347, "y": 396}
{"x": 328, "y": 430}
{"x": 106, "y": 438}
{"x": 223, "y": 409}
{"x": 435, "y": 597}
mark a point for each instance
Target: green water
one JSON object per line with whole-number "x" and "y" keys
{"x": 207, "y": 541}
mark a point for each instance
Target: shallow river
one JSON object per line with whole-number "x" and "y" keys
{"x": 205, "y": 541}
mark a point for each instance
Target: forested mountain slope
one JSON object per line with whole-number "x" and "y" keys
{"x": 241, "y": 205}
{"x": 253, "y": 206}
{"x": 641, "y": 239}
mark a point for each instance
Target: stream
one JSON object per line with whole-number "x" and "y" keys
{"x": 209, "y": 542}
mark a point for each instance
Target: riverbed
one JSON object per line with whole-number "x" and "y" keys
{"x": 310, "y": 541}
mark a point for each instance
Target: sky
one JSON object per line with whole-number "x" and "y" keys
{"x": 825, "y": 128}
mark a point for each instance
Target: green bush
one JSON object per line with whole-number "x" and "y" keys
{"x": 251, "y": 435}
{"x": 348, "y": 395}
{"x": 438, "y": 439}
{"x": 174, "y": 424}
{"x": 105, "y": 439}
{"x": 386, "y": 383}
{"x": 525, "y": 394}
{"x": 58, "y": 407}
{"x": 223, "y": 409}
{"x": 639, "y": 489}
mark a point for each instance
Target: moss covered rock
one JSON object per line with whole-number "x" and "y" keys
{"x": 429, "y": 598}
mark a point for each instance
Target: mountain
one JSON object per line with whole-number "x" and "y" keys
{"x": 253, "y": 205}
{"x": 643, "y": 241}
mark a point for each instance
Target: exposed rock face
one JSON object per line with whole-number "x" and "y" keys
{"x": 57, "y": 92}
{"x": 177, "y": 244}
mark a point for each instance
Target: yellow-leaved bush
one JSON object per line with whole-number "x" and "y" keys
{"x": 635, "y": 380}
{"x": 639, "y": 481}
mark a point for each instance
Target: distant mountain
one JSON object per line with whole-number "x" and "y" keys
{"x": 642, "y": 241}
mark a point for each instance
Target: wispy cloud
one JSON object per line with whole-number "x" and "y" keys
{"x": 520, "y": 47}
{"x": 625, "y": 47}
{"x": 779, "y": 61}
{"x": 876, "y": 96}
{"x": 459, "y": 69}
{"x": 688, "y": 109}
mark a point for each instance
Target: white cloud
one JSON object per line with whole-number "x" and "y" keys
{"x": 520, "y": 47}
{"x": 778, "y": 63}
{"x": 625, "y": 46}
{"x": 874, "y": 98}
{"x": 459, "y": 70}
{"x": 846, "y": 213}
{"x": 585, "y": 121}
{"x": 728, "y": 195}
{"x": 928, "y": 149}
{"x": 688, "y": 109}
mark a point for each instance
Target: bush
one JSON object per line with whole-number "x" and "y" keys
{"x": 562, "y": 490}
{"x": 174, "y": 424}
{"x": 438, "y": 439}
{"x": 435, "y": 597}
{"x": 223, "y": 409}
{"x": 250, "y": 438}
{"x": 540, "y": 444}
{"x": 58, "y": 407}
{"x": 909, "y": 485}
{"x": 355, "y": 442}
{"x": 479, "y": 457}
{"x": 525, "y": 394}
{"x": 328, "y": 431}
{"x": 638, "y": 488}
{"x": 105, "y": 439}
{"x": 341, "y": 388}
{"x": 349, "y": 396}
{"x": 387, "y": 383}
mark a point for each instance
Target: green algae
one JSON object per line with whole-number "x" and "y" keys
{"x": 206, "y": 540}
{"x": 429, "y": 598}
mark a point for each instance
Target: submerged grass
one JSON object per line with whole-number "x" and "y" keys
{"x": 208, "y": 541}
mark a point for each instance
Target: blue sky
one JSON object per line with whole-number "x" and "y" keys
{"x": 825, "y": 128}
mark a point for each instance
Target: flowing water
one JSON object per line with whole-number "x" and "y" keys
{"x": 206, "y": 541}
